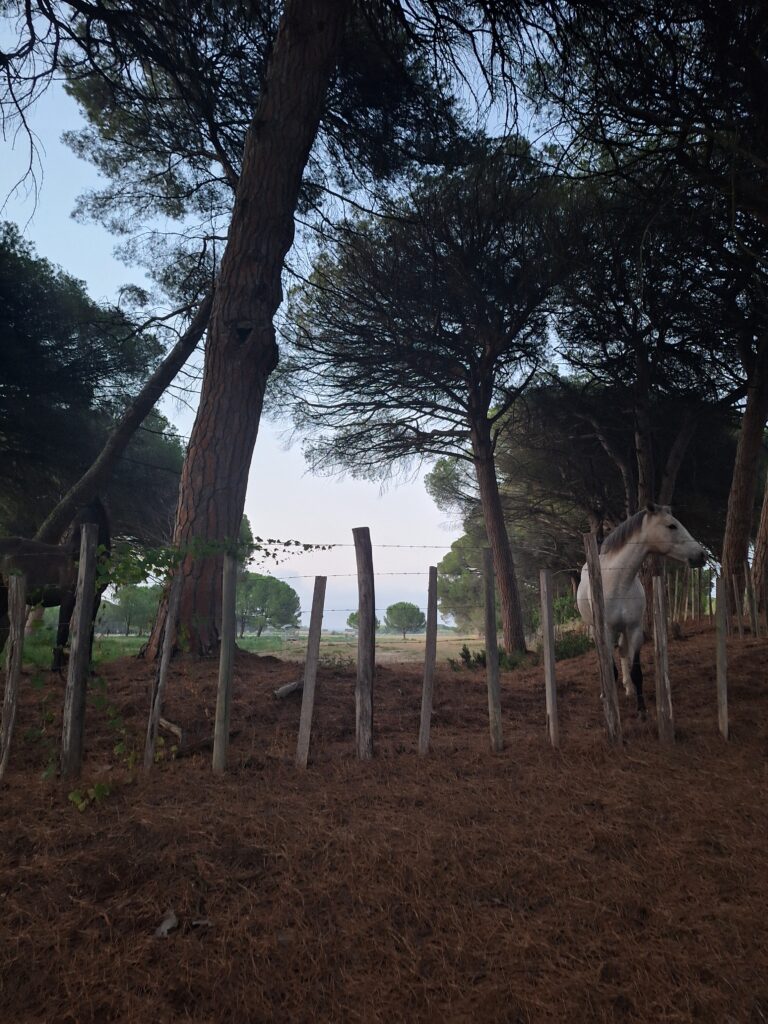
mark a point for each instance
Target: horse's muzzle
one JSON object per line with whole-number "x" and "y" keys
{"x": 697, "y": 561}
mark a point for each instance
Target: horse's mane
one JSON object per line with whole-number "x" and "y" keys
{"x": 624, "y": 532}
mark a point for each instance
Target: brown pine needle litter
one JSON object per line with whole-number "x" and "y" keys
{"x": 583, "y": 885}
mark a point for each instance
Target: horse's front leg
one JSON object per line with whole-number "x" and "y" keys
{"x": 626, "y": 670}
{"x": 636, "y": 671}
{"x": 66, "y": 609}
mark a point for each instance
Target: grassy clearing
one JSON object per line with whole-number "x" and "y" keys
{"x": 335, "y": 648}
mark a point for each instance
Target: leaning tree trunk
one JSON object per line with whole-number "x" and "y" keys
{"x": 498, "y": 538}
{"x": 241, "y": 350}
{"x": 87, "y": 487}
{"x": 741, "y": 498}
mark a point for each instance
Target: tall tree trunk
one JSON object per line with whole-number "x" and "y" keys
{"x": 241, "y": 350}
{"x": 741, "y": 498}
{"x": 646, "y": 474}
{"x": 675, "y": 457}
{"x": 621, "y": 463}
{"x": 646, "y": 469}
{"x": 498, "y": 539}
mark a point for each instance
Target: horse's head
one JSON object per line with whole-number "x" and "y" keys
{"x": 667, "y": 536}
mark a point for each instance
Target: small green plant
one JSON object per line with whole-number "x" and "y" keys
{"x": 472, "y": 659}
{"x": 94, "y": 794}
{"x": 477, "y": 659}
{"x": 123, "y": 746}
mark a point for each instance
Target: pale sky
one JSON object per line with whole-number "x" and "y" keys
{"x": 283, "y": 500}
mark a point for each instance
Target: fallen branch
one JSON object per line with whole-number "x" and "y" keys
{"x": 171, "y": 727}
{"x": 289, "y": 688}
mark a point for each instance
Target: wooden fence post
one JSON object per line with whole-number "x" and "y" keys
{"x": 14, "y": 651}
{"x": 686, "y": 593}
{"x": 73, "y": 729}
{"x": 156, "y": 708}
{"x": 226, "y": 661}
{"x": 608, "y": 693}
{"x": 366, "y": 643}
{"x": 548, "y": 646}
{"x": 664, "y": 717}
{"x": 492, "y": 654}
{"x": 310, "y": 671}
{"x": 700, "y": 595}
{"x": 430, "y": 656}
{"x": 722, "y": 658}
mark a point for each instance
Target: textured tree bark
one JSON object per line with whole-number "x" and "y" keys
{"x": 241, "y": 351}
{"x": 741, "y": 498}
{"x": 498, "y": 539}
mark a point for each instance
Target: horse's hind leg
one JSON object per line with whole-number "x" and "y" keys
{"x": 637, "y": 679}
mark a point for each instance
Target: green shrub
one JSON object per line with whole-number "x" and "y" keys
{"x": 571, "y": 645}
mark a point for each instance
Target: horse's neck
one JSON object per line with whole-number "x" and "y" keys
{"x": 619, "y": 568}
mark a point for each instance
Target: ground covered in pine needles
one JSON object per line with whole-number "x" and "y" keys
{"x": 589, "y": 884}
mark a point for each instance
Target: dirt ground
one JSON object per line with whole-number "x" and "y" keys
{"x": 589, "y": 884}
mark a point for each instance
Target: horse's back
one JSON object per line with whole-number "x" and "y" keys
{"x": 43, "y": 564}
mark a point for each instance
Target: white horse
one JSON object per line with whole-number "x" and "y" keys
{"x": 653, "y": 530}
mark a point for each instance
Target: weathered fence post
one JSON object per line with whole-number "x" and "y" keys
{"x": 73, "y": 729}
{"x": 430, "y": 656}
{"x": 722, "y": 658}
{"x": 492, "y": 654}
{"x": 700, "y": 595}
{"x": 366, "y": 643}
{"x": 169, "y": 630}
{"x": 310, "y": 671}
{"x": 14, "y": 650}
{"x": 608, "y": 693}
{"x": 226, "y": 661}
{"x": 686, "y": 593}
{"x": 548, "y": 646}
{"x": 664, "y": 717}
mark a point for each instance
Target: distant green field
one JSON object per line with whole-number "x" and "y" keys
{"x": 261, "y": 644}
{"x": 334, "y": 648}
{"x": 38, "y": 646}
